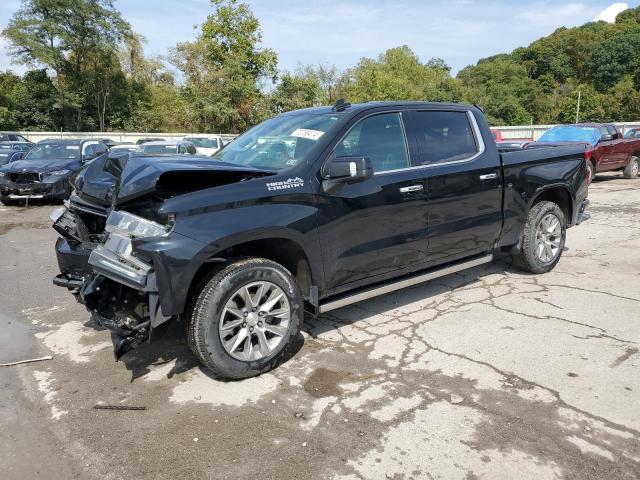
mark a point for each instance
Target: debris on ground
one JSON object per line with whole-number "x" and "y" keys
{"x": 117, "y": 407}
{"x": 29, "y": 360}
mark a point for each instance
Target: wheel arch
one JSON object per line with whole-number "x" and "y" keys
{"x": 558, "y": 194}
{"x": 281, "y": 249}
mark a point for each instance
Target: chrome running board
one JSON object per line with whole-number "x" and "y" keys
{"x": 404, "y": 283}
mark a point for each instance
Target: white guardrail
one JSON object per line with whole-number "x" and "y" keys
{"x": 128, "y": 137}
{"x": 536, "y": 131}
{"x": 508, "y": 132}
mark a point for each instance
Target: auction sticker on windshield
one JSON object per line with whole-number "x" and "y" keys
{"x": 307, "y": 133}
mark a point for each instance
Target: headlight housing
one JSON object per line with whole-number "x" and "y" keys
{"x": 125, "y": 223}
{"x": 58, "y": 173}
{"x": 2, "y": 174}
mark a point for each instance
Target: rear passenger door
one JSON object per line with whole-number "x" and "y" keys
{"x": 463, "y": 180}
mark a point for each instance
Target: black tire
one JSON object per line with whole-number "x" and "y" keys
{"x": 632, "y": 169}
{"x": 593, "y": 170}
{"x": 203, "y": 333}
{"x": 527, "y": 258}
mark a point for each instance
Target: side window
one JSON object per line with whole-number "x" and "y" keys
{"x": 87, "y": 149}
{"x": 99, "y": 149}
{"x": 191, "y": 149}
{"x": 442, "y": 136}
{"x": 90, "y": 151}
{"x": 380, "y": 138}
{"x": 604, "y": 131}
{"x": 612, "y": 130}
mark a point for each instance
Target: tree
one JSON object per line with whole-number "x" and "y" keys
{"x": 398, "y": 74}
{"x": 223, "y": 68}
{"x": 66, "y": 36}
{"x": 296, "y": 91}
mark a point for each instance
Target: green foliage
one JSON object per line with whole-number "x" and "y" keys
{"x": 223, "y": 69}
{"x": 89, "y": 72}
{"x": 398, "y": 74}
{"x": 541, "y": 82}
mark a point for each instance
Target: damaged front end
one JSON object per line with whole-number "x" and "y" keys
{"x": 122, "y": 293}
{"x": 114, "y": 232}
{"x": 81, "y": 228}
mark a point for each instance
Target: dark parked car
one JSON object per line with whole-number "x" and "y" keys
{"x": 149, "y": 139}
{"x": 167, "y": 147}
{"x": 605, "y": 146}
{"x": 10, "y": 151}
{"x": 314, "y": 209}
{"x": 46, "y": 169}
{"x": 12, "y": 137}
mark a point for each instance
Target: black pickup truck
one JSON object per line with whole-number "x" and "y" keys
{"x": 309, "y": 211}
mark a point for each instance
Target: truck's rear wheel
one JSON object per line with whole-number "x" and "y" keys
{"x": 632, "y": 169}
{"x": 543, "y": 238}
{"x": 593, "y": 170}
{"x": 245, "y": 318}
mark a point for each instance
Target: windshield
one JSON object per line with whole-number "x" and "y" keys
{"x": 279, "y": 143}
{"x": 5, "y": 156}
{"x": 49, "y": 151}
{"x": 571, "y": 134}
{"x": 203, "y": 142}
{"x": 157, "y": 149}
{"x": 632, "y": 134}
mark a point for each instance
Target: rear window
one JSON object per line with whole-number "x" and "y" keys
{"x": 442, "y": 136}
{"x": 568, "y": 133}
{"x": 158, "y": 149}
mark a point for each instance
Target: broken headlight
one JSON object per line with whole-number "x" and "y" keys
{"x": 130, "y": 225}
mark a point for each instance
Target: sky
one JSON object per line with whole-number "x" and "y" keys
{"x": 341, "y": 32}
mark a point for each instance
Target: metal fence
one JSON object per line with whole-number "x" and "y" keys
{"x": 128, "y": 137}
{"x": 521, "y": 131}
{"x": 536, "y": 131}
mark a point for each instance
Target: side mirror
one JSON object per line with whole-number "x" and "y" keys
{"x": 349, "y": 169}
{"x": 606, "y": 137}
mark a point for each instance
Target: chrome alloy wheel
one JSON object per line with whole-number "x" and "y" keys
{"x": 634, "y": 168}
{"x": 548, "y": 238}
{"x": 255, "y": 321}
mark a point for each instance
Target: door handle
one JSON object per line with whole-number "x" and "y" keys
{"x": 489, "y": 176}
{"x": 412, "y": 188}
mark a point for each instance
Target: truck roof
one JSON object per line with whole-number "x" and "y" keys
{"x": 357, "y": 107}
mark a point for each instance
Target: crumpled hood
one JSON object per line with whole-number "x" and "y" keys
{"x": 176, "y": 175}
{"x": 42, "y": 166}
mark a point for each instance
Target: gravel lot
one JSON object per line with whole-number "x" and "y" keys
{"x": 488, "y": 374}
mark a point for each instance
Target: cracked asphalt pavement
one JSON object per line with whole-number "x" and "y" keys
{"x": 491, "y": 373}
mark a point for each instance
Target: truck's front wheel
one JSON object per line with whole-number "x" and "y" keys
{"x": 245, "y": 318}
{"x": 543, "y": 238}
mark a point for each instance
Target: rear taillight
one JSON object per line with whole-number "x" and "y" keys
{"x": 587, "y": 159}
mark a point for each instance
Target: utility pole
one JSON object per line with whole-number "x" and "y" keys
{"x": 578, "y": 107}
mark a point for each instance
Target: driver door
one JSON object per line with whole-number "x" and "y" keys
{"x": 375, "y": 228}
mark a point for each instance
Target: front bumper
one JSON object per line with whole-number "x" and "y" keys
{"x": 47, "y": 189}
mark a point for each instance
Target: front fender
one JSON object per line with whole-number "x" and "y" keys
{"x": 196, "y": 239}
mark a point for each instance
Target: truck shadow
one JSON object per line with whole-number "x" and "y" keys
{"x": 172, "y": 346}
{"x": 394, "y": 304}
